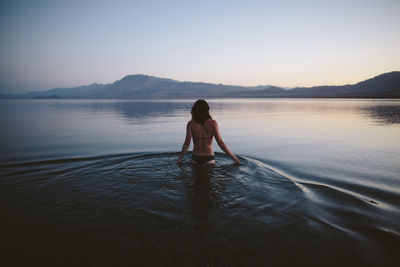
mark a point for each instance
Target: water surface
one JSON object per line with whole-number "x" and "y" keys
{"x": 94, "y": 182}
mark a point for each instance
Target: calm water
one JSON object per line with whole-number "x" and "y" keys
{"x": 94, "y": 182}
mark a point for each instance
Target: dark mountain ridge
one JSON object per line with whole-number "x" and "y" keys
{"x": 140, "y": 86}
{"x": 381, "y": 86}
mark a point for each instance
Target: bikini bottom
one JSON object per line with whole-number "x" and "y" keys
{"x": 202, "y": 159}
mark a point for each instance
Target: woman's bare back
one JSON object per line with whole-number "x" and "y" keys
{"x": 202, "y": 137}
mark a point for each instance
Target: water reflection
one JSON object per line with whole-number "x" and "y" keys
{"x": 200, "y": 193}
{"x": 143, "y": 109}
{"x": 385, "y": 111}
{"x": 386, "y": 114}
{"x": 205, "y": 187}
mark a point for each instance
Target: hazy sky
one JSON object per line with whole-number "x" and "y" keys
{"x": 48, "y": 44}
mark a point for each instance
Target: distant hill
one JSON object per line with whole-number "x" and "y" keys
{"x": 386, "y": 85}
{"x": 143, "y": 86}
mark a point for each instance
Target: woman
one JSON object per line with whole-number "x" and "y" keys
{"x": 202, "y": 128}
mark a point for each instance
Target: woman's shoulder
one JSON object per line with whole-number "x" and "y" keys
{"x": 211, "y": 121}
{"x": 192, "y": 123}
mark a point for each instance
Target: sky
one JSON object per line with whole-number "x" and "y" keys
{"x": 48, "y": 44}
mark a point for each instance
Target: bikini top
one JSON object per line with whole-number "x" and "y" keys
{"x": 203, "y": 138}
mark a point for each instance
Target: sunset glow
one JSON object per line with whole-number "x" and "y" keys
{"x": 48, "y": 44}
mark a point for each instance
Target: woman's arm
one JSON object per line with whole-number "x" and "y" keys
{"x": 222, "y": 144}
{"x": 186, "y": 144}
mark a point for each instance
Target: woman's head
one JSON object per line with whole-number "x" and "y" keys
{"x": 200, "y": 111}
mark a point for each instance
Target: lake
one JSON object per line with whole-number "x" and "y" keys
{"x": 95, "y": 183}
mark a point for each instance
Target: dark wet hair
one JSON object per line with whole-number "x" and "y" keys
{"x": 200, "y": 111}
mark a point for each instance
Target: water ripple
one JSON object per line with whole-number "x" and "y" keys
{"x": 132, "y": 203}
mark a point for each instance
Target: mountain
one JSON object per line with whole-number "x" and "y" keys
{"x": 386, "y": 85}
{"x": 86, "y": 91}
{"x": 143, "y": 86}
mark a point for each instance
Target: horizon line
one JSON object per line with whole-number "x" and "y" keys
{"x": 187, "y": 81}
